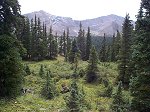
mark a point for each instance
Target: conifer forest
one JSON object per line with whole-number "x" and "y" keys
{"x": 43, "y": 71}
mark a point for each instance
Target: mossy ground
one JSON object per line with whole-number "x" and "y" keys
{"x": 61, "y": 72}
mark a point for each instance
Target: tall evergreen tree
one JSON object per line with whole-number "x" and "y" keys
{"x": 50, "y": 39}
{"x": 81, "y": 42}
{"x": 40, "y": 47}
{"x": 9, "y": 16}
{"x": 26, "y": 38}
{"x": 117, "y": 45}
{"x": 10, "y": 76}
{"x": 92, "y": 68}
{"x": 32, "y": 37}
{"x": 103, "y": 50}
{"x": 73, "y": 51}
{"x": 64, "y": 43}
{"x": 118, "y": 102}
{"x": 54, "y": 48}
{"x": 68, "y": 40}
{"x": 113, "y": 49}
{"x": 35, "y": 40}
{"x": 88, "y": 44}
{"x": 44, "y": 41}
{"x": 108, "y": 53}
{"x": 61, "y": 45}
{"x": 140, "y": 82}
{"x": 125, "y": 52}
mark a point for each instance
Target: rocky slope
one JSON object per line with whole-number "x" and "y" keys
{"x": 105, "y": 24}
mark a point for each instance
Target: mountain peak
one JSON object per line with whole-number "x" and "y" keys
{"x": 105, "y": 24}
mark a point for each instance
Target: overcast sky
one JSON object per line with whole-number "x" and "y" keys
{"x": 82, "y": 9}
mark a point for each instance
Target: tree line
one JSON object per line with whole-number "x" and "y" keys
{"x": 40, "y": 43}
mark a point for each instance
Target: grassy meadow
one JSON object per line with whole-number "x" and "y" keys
{"x": 61, "y": 72}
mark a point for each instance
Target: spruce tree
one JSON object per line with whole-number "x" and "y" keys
{"x": 54, "y": 48}
{"x": 92, "y": 69}
{"x": 11, "y": 76}
{"x": 125, "y": 52}
{"x": 81, "y": 42}
{"x": 73, "y": 51}
{"x": 68, "y": 40}
{"x": 55, "y": 44}
{"x": 32, "y": 38}
{"x": 108, "y": 53}
{"x": 9, "y": 16}
{"x": 73, "y": 103}
{"x": 117, "y": 45}
{"x": 40, "y": 47}
{"x": 75, "y": 75}
{"x": 35, "y": 39}
{"x": 11, "y": 69}
{"x": 26, "y": 38}
{"x": 103, "y": 50}
{"x": 140, "y": 82}
{"x": 50, "y": 39}
{"x": 61, "y": 45}
{"x": 44, "y": 41}
{"x": 88, "y": 44}
{"x": 118, "y": 101}
{"x": 64, "y": 43}
{"x": 113, "y": 49}
{"x": 49, "y": 89}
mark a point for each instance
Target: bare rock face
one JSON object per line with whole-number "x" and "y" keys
{"x": 105, "y": 24}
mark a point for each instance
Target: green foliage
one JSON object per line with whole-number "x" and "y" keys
{"x": 11, "y": 69}
{"x": 92, "y": 69}
{"x": 34, "y": 38}
{"x": 125, "y": 53}
{"x": 81, "y": 43}
{"x": 88, "y": 44}
{"x": 73, "y": 52}
{"x": 73, "y": 101}
{"x": 61, "y": 45}
{"x": 27, "y": 69}
{"x": 41, "y": 71}
{"x": 108, "y": 91}
{"x": 82, "y": 73}
{"x": 118, "y": 40}
{"x": 61, "y": 74}
{"x": 68, "y": 46}
{"x": 116, "y": 46}
{"x": 64, "y": 43}
{"x": 54, "y": 48}
{"x": 75, "y": 75}
{"x": 103, "y": 50}
{"x": 140, "y": 81}
{"x": 49, "y": 89}
{"x": 118, "y": 102}
{"x": 26, "y": 38}
{"x": 113, "y": 56}
{"x": 9, "y": 15}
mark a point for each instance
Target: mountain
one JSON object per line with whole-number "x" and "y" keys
{"x": 105, "y": 24}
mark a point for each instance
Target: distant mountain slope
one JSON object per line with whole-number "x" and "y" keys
{"x": 105, "y": 24}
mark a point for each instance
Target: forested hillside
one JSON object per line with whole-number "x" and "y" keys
{"x": 45, "y": 71}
